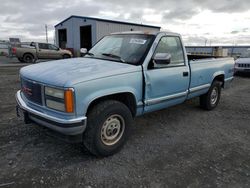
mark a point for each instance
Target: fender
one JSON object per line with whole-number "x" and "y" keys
{"x": 103, "y": 93}
{"x": 218, "y": 73}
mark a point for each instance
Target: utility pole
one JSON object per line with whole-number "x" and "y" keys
{"x": 46, "y": 31}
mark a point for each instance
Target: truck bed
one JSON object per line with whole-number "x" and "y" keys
{"x": 203, "y": 71}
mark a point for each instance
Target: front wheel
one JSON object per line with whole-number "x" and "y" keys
{"x": 211, "y": 99}
{"x": 108, "y": 128}
{"x": 66, "y": 56}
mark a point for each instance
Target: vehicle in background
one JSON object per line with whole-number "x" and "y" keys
{"x": 4, "y": 48}
{"x": 242, "y": 64}
{"x": 95, "y": 98}
{"x": 30, "y": 52}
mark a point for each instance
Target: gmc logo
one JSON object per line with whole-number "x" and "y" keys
{"x": 27, "y": 90}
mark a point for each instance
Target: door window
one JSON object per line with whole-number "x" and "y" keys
{"x": 43, "y": 46}
{"x": 173, "y": 46}
{"x": 52, "y": 47}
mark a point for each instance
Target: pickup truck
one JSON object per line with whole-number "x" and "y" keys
{"x": 94, "y": 99}
{"x": 30, "y": 52}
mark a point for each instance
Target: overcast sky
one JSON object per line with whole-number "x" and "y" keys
{"x": 214, "y": 21}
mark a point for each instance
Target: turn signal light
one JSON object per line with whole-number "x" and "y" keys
{"x": 69, "y": 101}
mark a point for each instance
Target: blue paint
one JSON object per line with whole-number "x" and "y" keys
{"x": 94, "y": 78}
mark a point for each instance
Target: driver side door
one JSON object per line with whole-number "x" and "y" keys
{"x": 167, "y": 85}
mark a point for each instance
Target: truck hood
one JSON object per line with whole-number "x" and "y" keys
{"x": 68, "y": 72}
{"x": 243, "y": 61}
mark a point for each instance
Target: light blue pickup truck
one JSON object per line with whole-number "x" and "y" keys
{"x": 96, "y": 97}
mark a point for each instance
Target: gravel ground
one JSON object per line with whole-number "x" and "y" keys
{"x": 5, "y": 61}
{"x": 183, "y": 146}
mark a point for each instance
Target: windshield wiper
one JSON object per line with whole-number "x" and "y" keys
{"x": 114, "y": 56}
{"x": 89, "y": 53}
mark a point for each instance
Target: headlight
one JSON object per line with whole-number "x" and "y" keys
{"x": 60, "y": 99}
{"x": 57, "y": 93}
{"x": 55, "y": 105}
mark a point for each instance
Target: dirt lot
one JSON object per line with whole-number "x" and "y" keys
{"x": 182, "y": 146}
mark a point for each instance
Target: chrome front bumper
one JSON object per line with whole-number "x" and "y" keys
{"x": 241, "y": 69}
{"x": 74, "y": 126}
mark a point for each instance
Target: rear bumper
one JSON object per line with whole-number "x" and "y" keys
{"x": 74, "y": 126}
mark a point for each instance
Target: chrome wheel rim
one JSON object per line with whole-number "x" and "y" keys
{"x": 112, "y": 129}
{"x": 214, "y": 96}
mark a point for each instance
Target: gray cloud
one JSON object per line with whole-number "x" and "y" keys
{"x": 235, "y": 32}
{"x": 26, "y": 18}
{"x": 180, "y": 14}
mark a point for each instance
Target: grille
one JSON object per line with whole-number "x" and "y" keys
{"x": 244, "y": 65}
{"x": 32, "y": 91}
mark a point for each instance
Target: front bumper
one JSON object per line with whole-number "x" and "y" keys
{"x": 241, "y": 69}
{"x": 73, "y": 126}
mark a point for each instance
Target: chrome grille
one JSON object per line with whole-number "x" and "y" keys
{"x": 244, "y": 65}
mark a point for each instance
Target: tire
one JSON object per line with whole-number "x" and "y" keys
{"x": 28, "y": 58}
{"x": 108, "y": 127}
{"x": 211, "y": 99}
{"x": 66, "y": 56}
{"x": 20, "y": 60}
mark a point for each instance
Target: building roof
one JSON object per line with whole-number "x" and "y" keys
{"x": 104, "y": 20}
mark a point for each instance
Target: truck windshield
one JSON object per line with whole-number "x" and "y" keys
{"x": 125, "y": 48}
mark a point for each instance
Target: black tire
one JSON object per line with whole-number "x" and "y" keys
{"x": 20, "y": 60}
{"x": 28, "y": 58}
{"x": 101, "y": 119}
{"x": 211, "y": 99}
{"x": 66, "y": 56}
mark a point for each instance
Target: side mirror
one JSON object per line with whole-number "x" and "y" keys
{"x": 162, "y": 58}
{"x": 83, "y": 50}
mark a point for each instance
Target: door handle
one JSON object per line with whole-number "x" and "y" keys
{"x": 185, "y": 74}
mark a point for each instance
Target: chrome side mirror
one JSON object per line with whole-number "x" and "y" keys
{"x": 83, "y": 50}
{"x": 162, "y": 58}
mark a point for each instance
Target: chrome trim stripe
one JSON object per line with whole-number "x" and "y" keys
{"x": 139, "y": 104}
{"x": 161, "y": 99}
{"x": 194, "y": 89}
{"x": 23, "y": 105}
{"x": 229, "y": 79}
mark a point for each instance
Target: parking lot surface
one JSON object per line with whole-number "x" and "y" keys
{"x": 183, "y": 146}
{"x": 5, "y": 61}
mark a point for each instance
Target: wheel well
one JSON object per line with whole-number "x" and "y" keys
{"x": 220, "y": 78}
{"x": 126, "y": 98}
{"x": 66, "y": 55}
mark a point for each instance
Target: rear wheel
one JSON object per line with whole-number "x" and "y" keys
{"x": 211, "y": 99}
{"x": 20, "y": 60}
{"x": 28, "y": 58}
{"x": 108, "y": 128}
